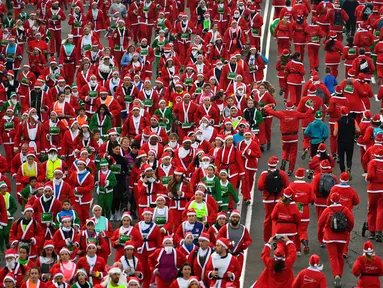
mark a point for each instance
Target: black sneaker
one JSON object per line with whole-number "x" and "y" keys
{"x": 304, "y": 153}
{"x": 335, "y": 156}
{"x": 289, "y": 173}
{"x": 372, "y": 235}
{"x": 306, "y": 248}
{"x": 262, "y": 148}
{"x": 378, "y": 236}
{"x": 283, "y": 165}
{"x": 268, "y": 146}
{"x": 282, "y": 91}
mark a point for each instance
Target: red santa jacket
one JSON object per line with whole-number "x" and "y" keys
{"x": 19, "y": 274}
{"x": 63, "y": 190}
{"x": 310, "y": 277}
{"x": 349, "y": 88}
{"x": 134, "y": 236}
{"x": 332, "y": 16}
{"x": 85, "y": 237}
{"x": 250, "y": 154}
{"x": 286, "y": 219}
{"x": 23, "y": 180}
{"x": 148, "y": 192}
{"x": 324, "y": 223}
{"x": 364, "y": 38}
{"x": 90, "y": 102}
{"x": 7, "y": 136}
{"x": 229, "y": 158}
{"x": 55, "y": 18}
{"x": 374, "y": 176}
{"x": 133, "y": 125}
{"x": 320, "y": 200}
{"x": 348, "y": 196}
{"x": 368, "y": 271}
{"x": 152, "y": 238}
{"x": 228, "y": 74}
{"x": 358, "y": 64}
{"x": 314, "y": 33}
{"x": 334, "y": 106}
{"x": 61, "y": 241}
{"x": 98, "y": 266}
{"x": 194, "y": 260}
{"x": 295, "y": 72}
{"x": 97, "y": 20}
{"x": 25, "y": 134}
{"x": 224, "y": 265}
{"x": 83, "y": 186}
{"x": 38, "y": 207}
{"x": 3, "y": 213}
{"x": 303, "y": 196}
{"x": 262, "y": 184}
{"x": 349, "y": 54}
{"x": 314, "y": 164}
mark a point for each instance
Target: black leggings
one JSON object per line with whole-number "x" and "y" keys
{"x": 118, "y": 193}
{"x": 347, "y": 148}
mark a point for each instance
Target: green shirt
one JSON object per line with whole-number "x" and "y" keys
{"x": 213, "y": 187}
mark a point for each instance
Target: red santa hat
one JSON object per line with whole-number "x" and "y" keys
{"x": 129, "y": 245}
{"x": 322, "y": 147}
{"x": 187, "y": 139}
{"x": 273, "y": 161}
{"x": 52, "y": 148}
{"x": 344, "y": 110}
{"x": 65, "y": 218}
{"x": 344, "y": 177}
{"x": 9, "y": 276}
{"x": 91, "y": 244}
{"x": 203, "y": 184}
{"x": 379, "y": 138}
{"x": 325, "y": 165}
{"x": 31, "y": 152}
{"x": 64, "y": 250}
{"x": 224, "y": 242}
{"x": 221, "y": 214}
{"x": 279, "y": 253}
{"x": 146, "y": 168}
{"x": 11, "y": 253}
{"x": 288, "y": 193}
{"x": 335, "y": 197}
{"x": 193, "y": 279}
{"x": 312, "y": 90}
{"x": 165, "y": 155}
{"x": 300, "y": 173}
{"x": 376, "y": 119}
{"x": 153, "y": 134}
{"x": 81, "y": 160}
{"x": 367, "y": 114}
{"x": 332, "y": 35}
{"x": 141, "y": 153}
{"x": 285, "y": 52}
{"x": 338, "y": 90}
{"x": 235, "y": 213}
{"x": 90, "y": 221}
{"x": 126, "y": 214}
{"x": 289, "y": 105}
{"x": 10, "y": 108}
{"x": 147, "y": 210}
{"x": 229, "y": 136}
{"x": 11, "y": 73}
{"x": 134, "y": 280}
{"x": 220, "y": 137}
{"x": 136, "y": 107}
{"x": 60, "y": 79}
{"x": 168, "y": 238}
{"x": 191, "y": 212}
{"x": 199, "y": 192}
{"x": 160, "y": 197}
{"x": 48, "y": 187}
{"x": 204, "y": 237}
{"x": 351, "y": 73}
{"x": 368, "y": 248}
{"x": 378, "y": 153}
{"x": 361, "y": 77}
{"x": 112, "y": 132}
{"x": 179, "y": 171}
{"x": 228, "y": 121}
{"x": 315, "y": 261}
{"x": 49, "y": 244}
{"x": 52, "y": 60}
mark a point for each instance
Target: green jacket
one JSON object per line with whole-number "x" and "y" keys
{"x": 25, "y": 194}
{"x": 159, "y": 45}
{"x": 10, "y": 203}
{"x": 110, "y": 182}
{"x": 103, "y": 126}
{"x": 227, "y": 190}
{"x": 214, "y": 188}
{"x": 17, "y": 107}
{"x": 167, "y": 120}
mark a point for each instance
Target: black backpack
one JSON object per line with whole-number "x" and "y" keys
{"x": 326, "y": 182}
{"x": 367, "y": 11}
{"x": 339, "y": 222}
{"x": 274, "y": 183}
{"x": 337, "y": 18}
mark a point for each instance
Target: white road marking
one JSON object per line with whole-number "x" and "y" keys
{"x": 249, "y": 213}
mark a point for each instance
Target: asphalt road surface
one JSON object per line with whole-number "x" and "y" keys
{"x": 253, "y": 215}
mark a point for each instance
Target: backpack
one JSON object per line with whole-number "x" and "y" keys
{"x": 274, "y": 183}
{"x": 367, "y": 11}
{"x": 338, "y": 222}
{"x": 363, "y": 66}
{"x": 320, "y": 94}
{"x": 326, "y": 182}
{"x": 337, "y": 18}
{"x": 380, "y": 24}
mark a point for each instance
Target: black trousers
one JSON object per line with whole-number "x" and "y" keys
{"x": 314, "y": 149}
{"x": 351, "y": 26}
{"x": 348, "y": 149}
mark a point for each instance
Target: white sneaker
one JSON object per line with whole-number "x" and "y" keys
{"x": 112, "y": 218}
{"x": 299, "y": 253}
{"x": 118, "y": 216}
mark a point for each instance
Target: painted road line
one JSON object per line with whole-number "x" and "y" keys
{"x": 249, "y": 213}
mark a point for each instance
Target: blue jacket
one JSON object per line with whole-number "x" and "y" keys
{"x": 317, "y": 131}
{"x": 330, "y": 82}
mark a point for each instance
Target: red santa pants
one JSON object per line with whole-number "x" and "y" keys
{"x": 69, "y": 70}
{"x": 9, "y": 154}
{"x": 177, "y": 217}
{"x": 182, "y": 49}
{"x": 347, "y": 68}
{"x": 335, "y": 255}
{"x": 146, "y": 32}
{"x": 301, "y": 49}
{"x": 268, "y": 123}
{"x": 55, "y": 42}
{"x": 283, "y": 85}
{"x": 289, "y": 153}
{"x": 262, "y": 133}
{"x": 161, "y": 283}
{"x": 247, "y": 183}
{"x": 118, "y": 57}
{"x": 277, "y": 11}
{"x": 334, "y": 70}
{"x": 333, "y": 140}
{"x": 295, "y": 93}
{"x": 325, "y": 28}
{"x": 256, "y": 41}
{"x": 362, "y": 152}
{"x": 306, "y": 140}
{"x": 82, "y": 211}
{"x": 302, "y": 230}
{"x": 182, "y": 132}
{"x": 375, "y": 212}
{"x": 234, "y": 181}
{"x": 135, "y": 30}
{"x": 319, "y": 210}
{"x": 267, "y": 224}
{"x": 222, "y": 26}
{"x": 283, "y": 44}
{"x": 144, "y": 259}
{"x": 313, "y": 53}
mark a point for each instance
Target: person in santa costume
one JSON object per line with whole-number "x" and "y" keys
{"x": 8, "y": 207}
{"x": 295, "y": 73}
{"x": 204, "y": 211}
{"x": 289, "y": 129}
{"x": 151, "y": 235}
{"x": 190, "y": 225}
{"x": 26, "y": 79}
{"x": 8, "y": 127}
{"x": 34, "y": 279}
{"x": 278, "y": 270}
{"x": 13, "y": 270}
{"x": 270, "y": 198}
{"x": 311, "y": 276}
{"x": 124, "y": 234}
{"x": 83, "y": 183}
{"x": 303, "y": 195}
{"x": 283, "y": 32}
{"x": 55, "y": 15}
{"x": 183, "y": 30}
{"x": 185, "y": 115}
{"x": 368, "y": 267}
{"x": 222, "y": 266}
{"x": 65, "y": 266}
{"x": 162, "y": 216}
{"x": 93, "y": 264}
{"x": 375, "y": 199}
{"x": 67, "y": 237}
{"x": 134, "y": 123}
{"x": 238, "y": 234}
{"x": 333, "y": 48}
{"x": 33, "y": 233}
{"x": 370, "y": 152}
{"x": 89, "y": 235}
{"x": 28, "y": 169}
{"x": 68, "y": 60}
{"x": 165, "y": 262}
{"x": 131, "y": 265}
{"x": 46, "y": 208}
{"x": 12, "y": 53}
